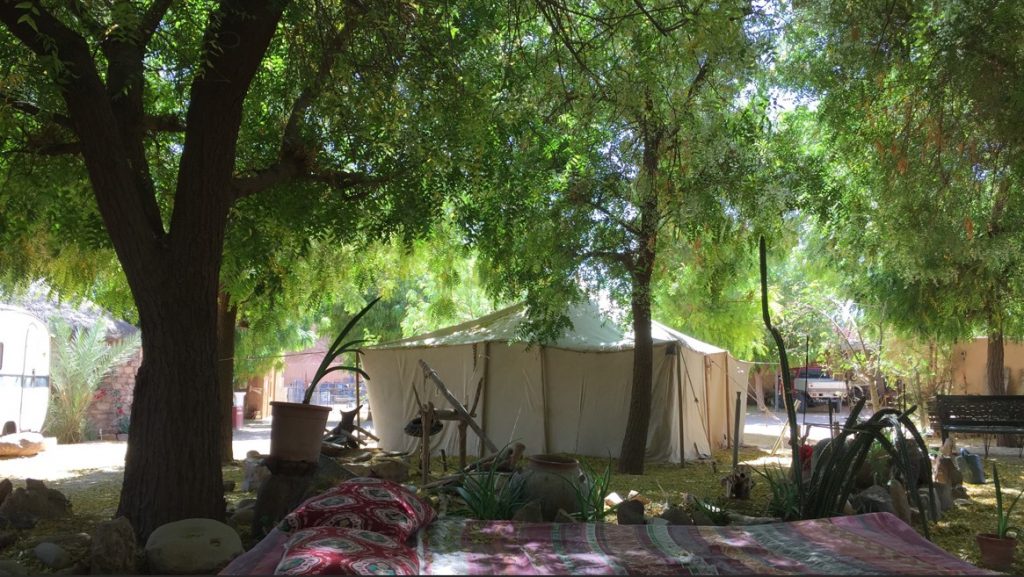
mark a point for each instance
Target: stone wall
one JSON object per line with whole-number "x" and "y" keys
{"x": 113, "y": 400}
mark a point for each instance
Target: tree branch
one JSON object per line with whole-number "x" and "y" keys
{"x": 286, "y": 171}
{"x": 93, "y": 121}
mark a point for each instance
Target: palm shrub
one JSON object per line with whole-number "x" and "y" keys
{"x": 80, "y": 360}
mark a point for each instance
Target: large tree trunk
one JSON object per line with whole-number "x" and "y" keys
{"x": 172, "y": 467}
{"x": 994, "y": 364}
{"x": 227, "y": 314}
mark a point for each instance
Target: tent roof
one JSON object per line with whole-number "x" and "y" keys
{"x": 591, "y": 331}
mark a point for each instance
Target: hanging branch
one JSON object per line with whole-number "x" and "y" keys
{"x": 787, "y": 379}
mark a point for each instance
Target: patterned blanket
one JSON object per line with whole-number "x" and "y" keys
{"x": 875, "y": 543}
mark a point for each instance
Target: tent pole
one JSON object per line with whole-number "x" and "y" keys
{"x": 682, "y": 422}
{"x": 707, "y": 405}
{"x": 544, "y": 397}
{"x": 728, "y": 425}
{"x": 483, "y": 402}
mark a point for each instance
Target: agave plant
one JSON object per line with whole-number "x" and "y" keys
{"x": 591, "y": 493}
{"x": 1003, "y": 516}
{"x": 338, "y": 348}
{"x": 491, "y": 495}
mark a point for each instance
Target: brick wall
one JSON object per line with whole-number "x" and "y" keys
{"x": 116, "y": 391}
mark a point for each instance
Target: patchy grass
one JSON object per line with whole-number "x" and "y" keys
{"x": 94, "y": 496}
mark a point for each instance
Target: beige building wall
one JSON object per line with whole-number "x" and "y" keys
{"x": 968, "y": 367}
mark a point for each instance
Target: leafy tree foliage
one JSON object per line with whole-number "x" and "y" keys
{"x": 922, "y": 105}
{"x": 187, "y": 116}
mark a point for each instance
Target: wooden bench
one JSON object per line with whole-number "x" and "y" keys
{"x": 979, "y": 414}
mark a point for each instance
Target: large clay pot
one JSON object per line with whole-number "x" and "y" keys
{"x": 297, "y": 431}
{"x": 996, "y": 552}
{"x": 554, "y": 481}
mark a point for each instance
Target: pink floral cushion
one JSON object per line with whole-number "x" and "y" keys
{"x": 364, "y": 503}
{"x": 341, "y": 551}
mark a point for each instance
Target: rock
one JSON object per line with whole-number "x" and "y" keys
{"x": 67, "y": 540}
{"x": 390, "y": 469}
{"x": 329, "y": 473}
{"x": 630, "y": 512}
{"x": 114, "y": 550}
{"x": 529, "y": 513}
{"x": 5, "y": 489}
{"x": 874, "y": 499}
{"x": 900, "y": 503}
{"x": 73, "y": 569}
{"x": 359, "y": 469}
{"x": 946, "y": 472}
{"x": 11, "y": 567}
{"x": 959, "y": 492}
{"x": 192, "y": 546}
{"x": 52, "y": 555}
{"x": 229, "y": 486}
{"x": 822, "y": 451}
{"x": 36, "y": 501}
{"x": 245, "y": 504}
{"x": 962, "y": 502}
{"x": 252, "y": 454}
{"x": 278, "y": 496}
{"x": 243, "y": 517}
{"x": 21, "y": 445}
{"x": 656, "y": 521}
{"x": 927, "y": 499}
{"x": 7, "y": 538}
{"x": 676, "y": 515}
{"x": 944, "y": 496}
{"x": 35, "y": 485}
{"x": 254, "y": 472}
{"x": 562, "y": 517}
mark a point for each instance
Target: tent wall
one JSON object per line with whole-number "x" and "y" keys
{"x": 550, "y": 399}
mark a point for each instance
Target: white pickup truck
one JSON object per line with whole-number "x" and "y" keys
{"x": 815, "y": 385}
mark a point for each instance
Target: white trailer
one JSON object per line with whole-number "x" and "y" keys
{"x": 24, "y": 370}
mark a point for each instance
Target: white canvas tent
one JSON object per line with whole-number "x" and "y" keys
{"x": 571, "y": 395}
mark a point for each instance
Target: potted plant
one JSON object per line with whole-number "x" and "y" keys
{"x": 297, "y": 429}
{"x": 997, "y": 548}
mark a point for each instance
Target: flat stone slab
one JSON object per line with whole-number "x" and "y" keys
{"x": 21, "y": 445}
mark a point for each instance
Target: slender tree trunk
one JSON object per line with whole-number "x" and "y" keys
{"x": 634, "y": 443}
{"x": 227, "y": 314}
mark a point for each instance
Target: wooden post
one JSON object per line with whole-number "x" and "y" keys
{"x": 359, "y": 420}
{"x": 462, "y": 443}
{"x": 707, "y": 404}
{"x": 544, "y": 400}
{"x": 461, "y": 410}
{"x": 682, "y": 405}
{"x": 736, "y": 437}
{"x": 427, "y": 418}
{"x": 484, "y": 385}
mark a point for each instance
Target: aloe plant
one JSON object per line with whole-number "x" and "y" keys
{"x": 590, "y": 495}
{"x": 338, "y": 348}
{"x": 1003, "y": 517}
{"x": 490, "y": 495}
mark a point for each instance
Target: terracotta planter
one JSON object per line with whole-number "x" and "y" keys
{"x": 553, "y": 480}
{"x": 996, "y": 552}
{"x": 296, "y": 431}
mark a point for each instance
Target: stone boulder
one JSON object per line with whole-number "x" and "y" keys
{"x": 21, "y": 445}
{"x": 900, "y": 501}
{"x": 6, "y": 488}
{"x": 114, "y": 550}
{"x": 676, "y": 515}
{"x": 36, "y": 501}
{"x": 11, "y": 567}
{"x": 390, "y": 469}
{"x": 192, "y": 546}
{"x": 52, "y": 555}
{"x": 630, "y": 513}
{"x": 874, "y": 499}
{"x": 254, "y": 472}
